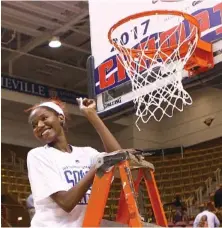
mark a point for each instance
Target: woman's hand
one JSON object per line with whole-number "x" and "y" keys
{"x": 86, "y": 106}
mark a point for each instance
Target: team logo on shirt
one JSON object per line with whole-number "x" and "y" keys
{"x": 74, "y": 175}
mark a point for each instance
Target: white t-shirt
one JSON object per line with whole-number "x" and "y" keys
{"x": 50, "y": 171}
{"x": 212, "y": 219}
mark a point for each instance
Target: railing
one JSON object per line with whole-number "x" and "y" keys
{"x": 199, "y": 191}
{"x": 208, "y": 183}
{"x": 217, "y": 174}
{"x": 199, "y": 195}
{"x": 15, "y": 162}
{"x": 189, "y": 203}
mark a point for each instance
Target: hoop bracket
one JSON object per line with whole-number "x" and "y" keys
{"x": 201, "y": 60}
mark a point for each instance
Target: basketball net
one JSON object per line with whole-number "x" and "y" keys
{"x": 156, "y": 74}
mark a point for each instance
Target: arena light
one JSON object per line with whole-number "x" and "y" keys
{"x": 55, "y": 42}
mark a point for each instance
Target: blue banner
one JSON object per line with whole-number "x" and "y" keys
{"x": 23, "y": 86}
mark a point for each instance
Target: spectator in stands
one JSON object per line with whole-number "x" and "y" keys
{"x": 150, "y": 216}
{"x": 30, "y": 206}
{"x": 203, "y": 221}
{"x": 218, "y": 198}
{"x": 201, "y": 208}
{"x": 178, "y": 216}
{"x": 177, "y": 202}
{"x": 212, "y": 219}
{"x": 218, "y": 213}
{"x": 61, "y": 175}
{"x": 185, "y": 215}
{"x": 178, "y": 206}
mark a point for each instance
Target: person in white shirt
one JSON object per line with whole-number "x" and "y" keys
{"x": 61, "y": 175}
{"x": 212, "y": 219}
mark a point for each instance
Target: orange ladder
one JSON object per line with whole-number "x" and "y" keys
{"x": 128, "y": 212}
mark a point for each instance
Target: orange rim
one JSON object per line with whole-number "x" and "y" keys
{"x": 151, "y": 52}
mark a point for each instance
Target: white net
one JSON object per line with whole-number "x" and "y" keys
{"x": 156, "y": 76}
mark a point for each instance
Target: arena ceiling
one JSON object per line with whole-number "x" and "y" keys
{"x": 28, "y": 26}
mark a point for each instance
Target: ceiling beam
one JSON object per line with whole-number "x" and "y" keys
{"x": 45, "y": 37}
{"x": 38, "y": 10}
{"x": 43, "y": 58}
{"x": 36, "y": 20}
{"x": 76, "y": 48}
{"x": 73, "y": 21}
{"x": 32, "y": 19}
{"x": 65, "y": 6}
{"x": 80, "y": 83}
{"x": 80, "y": 32}
{"x": 21, "y": 28}
{"x": 30, "y": 31}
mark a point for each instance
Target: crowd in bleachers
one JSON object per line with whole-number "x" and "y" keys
{"x": 15, "y": 190}
{"x": 178, "y": 179}
{"x": 188, "y": 177}
{"x": 180, "y": 217}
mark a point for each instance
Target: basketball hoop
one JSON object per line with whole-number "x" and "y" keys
{"x": 155, "y": 68}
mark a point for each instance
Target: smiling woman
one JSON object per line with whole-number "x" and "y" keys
{"x": 48, "y": 120}
{"x": 60, "y": 174}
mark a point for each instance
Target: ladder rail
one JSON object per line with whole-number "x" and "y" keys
{"x": 98, "y": 199}
{"x": 154, "y": 196}
{"x": 130, "y": 194}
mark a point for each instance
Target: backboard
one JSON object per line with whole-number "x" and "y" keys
{"x": 109, "y": 82}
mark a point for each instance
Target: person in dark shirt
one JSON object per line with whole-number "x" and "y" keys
{"x": 177, "y": 202}
{"x": 218, "y": 198}
{"x": 178, "y": 205}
